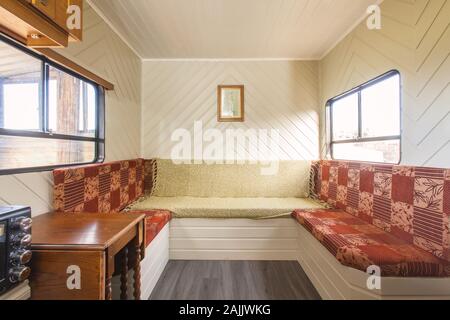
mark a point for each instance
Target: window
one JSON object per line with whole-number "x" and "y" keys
{"x": 364, "y": 123}
{"x": 49, "y": 116}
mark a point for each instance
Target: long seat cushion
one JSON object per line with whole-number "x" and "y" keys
{"x": 155, "y": 220}
{"x": 358, "y": 244}
{"x": 250, "y": 208}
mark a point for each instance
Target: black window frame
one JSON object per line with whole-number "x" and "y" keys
{"x": 329, "y": 118}
{"x": 44, "y": 132}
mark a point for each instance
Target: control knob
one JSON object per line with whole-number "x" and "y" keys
{"x": 21, "y": 257}
{"x": 22, "y": 223}
{"x": 21, "y": 240}
{"x": 19, "y": 274}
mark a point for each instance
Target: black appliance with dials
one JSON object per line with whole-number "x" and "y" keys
{"x": 15, "y": 241}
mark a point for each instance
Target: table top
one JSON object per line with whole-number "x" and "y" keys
{"x": 81, "y": 231}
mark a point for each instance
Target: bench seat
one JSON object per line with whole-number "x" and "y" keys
{"x": 358, "y": 244}
{"x": 226, "y": 208}
{"x": 155, "y": 221}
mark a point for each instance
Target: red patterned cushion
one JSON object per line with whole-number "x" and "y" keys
{"x": 106, "y": 187}
{"x": 358, "y": 244}
{"x": 411, "y": 203}
{"x": 154, "y": 222}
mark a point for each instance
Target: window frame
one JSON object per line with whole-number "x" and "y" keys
{"x": 358, "y": 90}
{"x": 44, "y": 132}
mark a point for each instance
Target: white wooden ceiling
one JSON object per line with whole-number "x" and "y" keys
{"x": 232, "y": 29}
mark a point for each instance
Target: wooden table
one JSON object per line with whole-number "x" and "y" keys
{"x": 74, "y": 255}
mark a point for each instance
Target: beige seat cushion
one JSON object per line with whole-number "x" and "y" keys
{"x": 251, "y": 208}
{"x": 290, "y": 180}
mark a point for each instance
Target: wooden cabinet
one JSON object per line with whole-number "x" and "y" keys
{"x": 61, "y": 13}
{"x": 47, "y": 7}
{"x": 57, "y": 10}
{"x": 53, "y": 267}
{"x": 75, "y": 255}
{"x": 43, "y": 23}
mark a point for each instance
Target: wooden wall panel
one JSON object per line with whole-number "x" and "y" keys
{"x": 414, "y": 39}
{"x": 285, "y": 95}
{"x": 280, "y": 95}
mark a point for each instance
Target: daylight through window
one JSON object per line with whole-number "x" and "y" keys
{"x": 49, "y": 116}
{"x": 364, "y": 123}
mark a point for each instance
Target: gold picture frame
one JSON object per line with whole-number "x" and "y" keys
{"x": 230, "y": 103}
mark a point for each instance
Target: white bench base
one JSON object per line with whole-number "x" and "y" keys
{"x": 233, "y": 239}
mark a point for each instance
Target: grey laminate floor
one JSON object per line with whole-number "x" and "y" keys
{"x": 234, "y": 280}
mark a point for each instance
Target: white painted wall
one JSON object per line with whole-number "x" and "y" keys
{"x": 414, "y": 39}
{"x": 280, "y": 95}
{"x": 104, "y": 53}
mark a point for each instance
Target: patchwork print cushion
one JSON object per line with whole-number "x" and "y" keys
{"x": 105, "y": 187}
{"x": 358, "y": 244}
{"x": 411, "y": 203}
{"x": 154, "y": 222}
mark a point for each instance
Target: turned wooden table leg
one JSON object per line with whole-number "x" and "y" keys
{"x": 124, "y": 276}
{"x": 108, "y": 276}
{"x": 137, "y": 272}
{"x": 108, "y": 289}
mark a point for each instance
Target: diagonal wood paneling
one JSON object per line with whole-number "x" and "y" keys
{"x": 280, "y": 95}
{"x": 103, "y": 52}
{"x": 415, "y": 39}
{"x": 285, "y": 95}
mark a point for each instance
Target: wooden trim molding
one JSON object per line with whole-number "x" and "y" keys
{"x": 60, "y": 59}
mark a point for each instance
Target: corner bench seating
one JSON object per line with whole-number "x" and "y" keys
{"x": 120, "y": 186}
{"x": 395, "y": 217}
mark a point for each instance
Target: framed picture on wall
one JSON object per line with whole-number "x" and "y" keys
{"x": 230, "y": 102}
